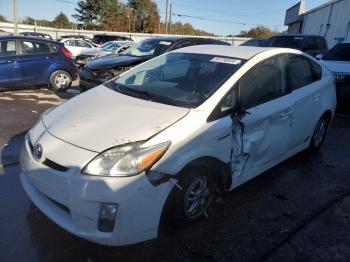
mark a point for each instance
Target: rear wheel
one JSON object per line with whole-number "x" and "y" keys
{"x": 320, "y": 134}
{"x": 60, "y": 80}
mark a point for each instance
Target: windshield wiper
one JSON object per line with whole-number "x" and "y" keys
{"x": 143, "y": 94}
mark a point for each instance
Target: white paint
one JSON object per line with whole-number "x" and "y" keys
{"x": 92, "y": 122}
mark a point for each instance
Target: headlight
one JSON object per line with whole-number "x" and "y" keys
{"x": 126, "y": 160}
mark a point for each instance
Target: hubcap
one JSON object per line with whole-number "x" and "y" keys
{"x": 62, "y": 81}
{"x": 198, "y": 198}
{"x": 320, "y": 132}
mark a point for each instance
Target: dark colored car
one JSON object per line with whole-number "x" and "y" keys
{"x": 31, "y": 61}
{"x": 310, "y": 44}
{"x": 261, "y": 42}
{"x": 103, "y": 69}
{"x": 101, "y": 39}
{"x": 36, "y": 34}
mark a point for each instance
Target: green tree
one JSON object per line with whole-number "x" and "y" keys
{"x": 88, "y": 12}
{"x": 61, "y": 21}
{"x": 3, "y": 18}
{"x": 258, "y": 32}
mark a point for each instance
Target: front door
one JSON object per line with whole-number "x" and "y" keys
{"x": 261, "y": 136}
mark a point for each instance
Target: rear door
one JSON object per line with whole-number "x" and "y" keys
{"x": 35, "y": 60}
{"x": 304, "y": 77}
{"x": 10, "y": 70}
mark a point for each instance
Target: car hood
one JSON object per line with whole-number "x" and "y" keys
{"x": 102, "y": 118}
{"x": 91, "y": 51}
{"x": 337, "y": 66}
{"x": 114, "y": 61}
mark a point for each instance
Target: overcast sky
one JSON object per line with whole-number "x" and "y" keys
{"x": 237, "y": 14}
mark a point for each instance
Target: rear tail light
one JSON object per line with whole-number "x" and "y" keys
{"x": 66, "y": 52}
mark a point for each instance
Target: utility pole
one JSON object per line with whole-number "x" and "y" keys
{"x": 15, "y": 24}
{"x": 170, "y": 17}
{"x": 166, "y": 17}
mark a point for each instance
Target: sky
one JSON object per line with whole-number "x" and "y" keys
{"x": 238, "y": 14}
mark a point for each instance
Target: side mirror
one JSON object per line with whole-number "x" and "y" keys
{"x": 319, "y": 56}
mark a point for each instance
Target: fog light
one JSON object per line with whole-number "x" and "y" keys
{"x": 107, "y": 217}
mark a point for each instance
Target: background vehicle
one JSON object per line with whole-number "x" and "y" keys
{"x": 310, "y": 44}
{"x": 101, "y": 39}
{"x": 166, "y": 136}
{"x": 256, "y": 42}
{"x": 75, "y": 46}
{"x": 30, "y": 61}
{"x": 103, "y": 69}
{"x": 2, "y": 32}
{"x": 337, "y": 60}
{"x": 112, "y": 47}
{"x": 81, "y": 37}
{"x": 36, "y": 34}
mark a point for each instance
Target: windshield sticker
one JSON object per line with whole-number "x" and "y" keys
{"x": 226, "y": 60}
{"x": 164, "y": 43}
{"x": 298, "y": 38}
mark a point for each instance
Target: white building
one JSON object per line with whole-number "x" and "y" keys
{"x": 331, "y": 20}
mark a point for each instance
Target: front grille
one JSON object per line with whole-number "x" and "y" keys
{"x": 54, "y": 165}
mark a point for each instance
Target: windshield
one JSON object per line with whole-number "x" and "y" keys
{"x": 148, "y": 47}
{"x": 287, "y": 41}
{"x": 111, "y": 47}
{"x": 106, "y": 45}
{"x": 185, "y": 80}
{"x": 340, "y": 52}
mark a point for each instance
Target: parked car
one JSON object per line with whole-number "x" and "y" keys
{"x": 31, "y": 61}
{"x": 75, "y": 46}
{"x": 262, "y": 42}
{"x": 112, "y": 47}
{"x": 81, "y": 37}
{"x": 338, "y": 61}
{"x": 101, "y": 39}
{"x": 103, "y": 69}
{"x": 36, "y": 34}
{"x": 310, "y": 44}
{"x": 162, "y": 139}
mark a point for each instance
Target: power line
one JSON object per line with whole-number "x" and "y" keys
{"x": 66, "y": 1}
{"x": 219, "y": 20}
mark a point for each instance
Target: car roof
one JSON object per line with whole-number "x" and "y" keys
{"x": 179, "y": 38}
{"x": 241, "y": 52}
{"x": 6, "y": 37}
{"x": 296, "y": 35}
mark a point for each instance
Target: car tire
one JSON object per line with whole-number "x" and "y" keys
{"x": 192, "y": 198}
{"x": 60, "y": 80}
{"x": 319, "y": 134}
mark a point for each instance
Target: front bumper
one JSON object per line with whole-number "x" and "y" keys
{"x": 73, "y": 200}
{"x": 88, "y": 80}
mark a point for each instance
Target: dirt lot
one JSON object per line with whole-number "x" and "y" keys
{"x": 298, "y": 211}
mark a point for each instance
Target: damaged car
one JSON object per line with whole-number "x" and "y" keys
{"x": 162, "y": 140}
{"x": 103, "y": 69}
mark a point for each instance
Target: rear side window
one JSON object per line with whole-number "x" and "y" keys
{"x": 302, "y": 71}
{"x": 7, "y": 48}
{"x": 34, "y": 48}
{"x": 265, "y": 82}
{"x": 81, "y": 44}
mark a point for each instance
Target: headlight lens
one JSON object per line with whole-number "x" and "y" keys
{"x": 126, "y": 160}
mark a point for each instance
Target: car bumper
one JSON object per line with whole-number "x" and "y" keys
{"x": 73, "y": 200}
{"x": 87, "y": 80}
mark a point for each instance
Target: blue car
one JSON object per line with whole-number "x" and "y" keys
{"x": 29, "y": 61}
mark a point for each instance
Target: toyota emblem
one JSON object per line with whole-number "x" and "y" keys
{"x": 38, "y": 151}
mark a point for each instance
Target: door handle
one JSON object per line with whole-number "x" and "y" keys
{"x": 286, "y": 114}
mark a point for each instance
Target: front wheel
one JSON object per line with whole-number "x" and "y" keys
{"x": 60, "y": 80}
{"x": 319, "y": 135}
{"x": 195, "y": 194}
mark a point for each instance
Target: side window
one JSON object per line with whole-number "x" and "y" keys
{"x": 7, "y": 48}
{"x": 320, "y": 43}
{"x": 302, "y": 71}
{"x": 34, "y": 48}
{"x": 265, "y": 82}
{"x": 183, "y": 44}
{"x": 82, "y": 44}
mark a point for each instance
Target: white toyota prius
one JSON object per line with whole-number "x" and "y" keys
{"x": 162, "y": 139}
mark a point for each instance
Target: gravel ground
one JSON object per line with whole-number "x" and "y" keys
{"x": 297, "y": 211}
